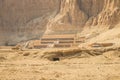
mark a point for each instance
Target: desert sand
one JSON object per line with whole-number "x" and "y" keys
{"x": 32, "y": 65}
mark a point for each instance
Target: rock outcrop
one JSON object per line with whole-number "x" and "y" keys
{"x": 24, "y": 19}
{"x": 28, "y": 19}
{"x": 69, "y": 17}
{"x": 110, "y": 14}
{"x": 76, "y": 14}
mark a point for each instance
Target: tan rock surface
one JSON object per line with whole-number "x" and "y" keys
{"x": 25, "y": 20}
{"x": 75, "y": 14}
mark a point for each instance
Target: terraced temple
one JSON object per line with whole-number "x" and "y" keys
{"x": 66, "y": 40}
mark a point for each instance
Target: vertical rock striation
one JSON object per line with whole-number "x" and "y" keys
{"x": 69, "y": 18}
{"x": 75, "y": 14}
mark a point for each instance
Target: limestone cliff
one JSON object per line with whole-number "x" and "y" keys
{"x": 24, "y": 19}
{"x": 68, "y": 18}
{"x": 27, "y": 19}
{"x": 76, "y": 14}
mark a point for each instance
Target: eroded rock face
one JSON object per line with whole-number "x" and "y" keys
{"x": 109, "y": 14}
{"x": 24, "y": 19}
{"x": 76, "y": 14}
{"x": 28, "y": 19}
{"x": 69, "y": 18}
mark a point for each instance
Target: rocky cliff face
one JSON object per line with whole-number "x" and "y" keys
{"x": 24, "y": 19}
{"x": 69, "y": 17}
{"x": 76, "y": 14}
{"x": 28, "y": 19}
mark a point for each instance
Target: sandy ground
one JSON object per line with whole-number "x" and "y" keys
{"x": 28, "y": 65}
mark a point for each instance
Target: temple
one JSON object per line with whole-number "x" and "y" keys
{"x": 57, "y": 41}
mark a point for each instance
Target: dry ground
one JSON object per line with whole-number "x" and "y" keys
{"x": 29, "y": 65}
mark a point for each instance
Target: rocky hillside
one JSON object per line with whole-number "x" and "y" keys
{"x": 24, "y": 19}
{"x": 76, "y": 14}
{"x": 29, "y": 19}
